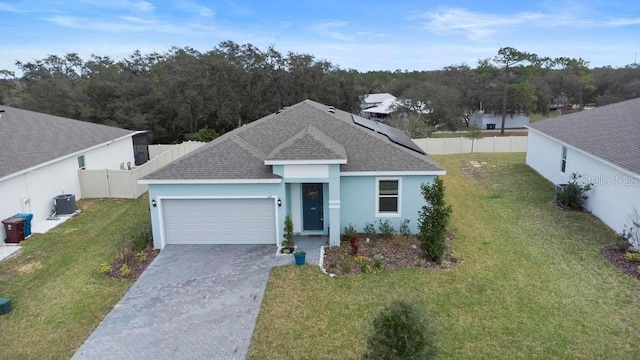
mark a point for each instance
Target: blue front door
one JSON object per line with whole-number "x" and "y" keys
{"x": 312, "y": 207}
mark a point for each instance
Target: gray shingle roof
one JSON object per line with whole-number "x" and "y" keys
{"x": 610, "y": 132}
{"x": 309, "y": 144}
{"x": 29, "y": 138}
{"x": 306, "y": 130}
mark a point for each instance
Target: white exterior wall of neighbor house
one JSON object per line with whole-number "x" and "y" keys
{"x": 111, "y": 155}
{"x": 614, "y": 193}
{"x": 511, "y": 122}
{"x": 33, "y": 191}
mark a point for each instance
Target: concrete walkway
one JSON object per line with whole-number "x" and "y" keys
{"x": 192, "y": 302}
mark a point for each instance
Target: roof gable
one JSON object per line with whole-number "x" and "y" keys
{"x": 304, "y": 131}
{"x": 309, "y": 144}
{"x": 609, "y": 132}
{"x": 28, "y": 138}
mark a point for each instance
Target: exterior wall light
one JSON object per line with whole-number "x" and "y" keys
{"x": 279, "y": 202}
{"x": 153, "y": 203}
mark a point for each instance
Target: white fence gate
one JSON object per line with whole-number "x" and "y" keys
{"x": 107, "y": 183}
{"x": 494, "y": 144}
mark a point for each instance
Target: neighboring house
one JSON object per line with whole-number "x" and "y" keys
{"x": 602, "y": 145}
{"x": 373, "y": 100}
{"x": 324, "y": 167}
{"x": 41, "y": 155}
{"x": 381, "y": 111}
{"x": 490, "y": 121}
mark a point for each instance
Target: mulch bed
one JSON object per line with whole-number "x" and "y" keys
{"x": 382, "y": 253}
{"x": 615, "y": 255}
{"x": 133, "y": 262}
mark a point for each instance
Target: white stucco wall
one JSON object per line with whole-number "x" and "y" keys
{"x": 33, "y": 191}
{"x": 615, "y": 192}
{"x": 111, "y": 155}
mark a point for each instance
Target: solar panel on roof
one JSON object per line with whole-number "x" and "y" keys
{"x": 395, "y": 135}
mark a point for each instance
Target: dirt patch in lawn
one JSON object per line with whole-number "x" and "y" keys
{"x": 377, "y": 253}
{"x": 471, "y": 170}
{"x": 616, "y": 255}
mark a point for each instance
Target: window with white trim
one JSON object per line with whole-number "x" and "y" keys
{"x": 563, "y": 165}
{"x": 388, "y": 192}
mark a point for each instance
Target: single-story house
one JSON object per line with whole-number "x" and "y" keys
{"x": 41, "y": 155}
{"x": 602, "y": 145}
{"x": 324, "y": 167}
{"x": 491, "y": 121}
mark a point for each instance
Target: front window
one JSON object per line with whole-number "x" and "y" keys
{"x": 563, "y": 165}
{"x": 388, "y": 197}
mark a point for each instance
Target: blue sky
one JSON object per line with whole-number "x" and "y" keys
{"x": 364, "y": 35}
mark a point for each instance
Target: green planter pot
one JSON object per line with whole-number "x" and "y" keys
{"x": 300, "y": 257}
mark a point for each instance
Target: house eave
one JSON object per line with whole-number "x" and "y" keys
{"x": 208, "y": 181}
{"x": 394, "y": 173}
{"x": 305, "y": 162}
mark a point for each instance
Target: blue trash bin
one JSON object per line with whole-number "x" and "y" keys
{"x": 27, "y": 223}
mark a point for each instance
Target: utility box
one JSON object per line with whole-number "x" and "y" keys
{"x": 5, "y": 306}
{"x": 14, "y": 227}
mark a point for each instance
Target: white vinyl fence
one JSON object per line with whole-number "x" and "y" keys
{"x": 107, "y": 183}
{"x": 439, "y": 146}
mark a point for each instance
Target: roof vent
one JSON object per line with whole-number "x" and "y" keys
{"x": 333, "y": 111}
{"x": 1, "y": 110}
{"x": 282, "y": 109}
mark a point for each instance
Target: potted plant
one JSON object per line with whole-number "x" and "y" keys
{"x": 300, "y": 257}
{"x": 288, "y": 244}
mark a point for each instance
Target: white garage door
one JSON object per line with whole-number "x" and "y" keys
{"x": 219, "y": 221}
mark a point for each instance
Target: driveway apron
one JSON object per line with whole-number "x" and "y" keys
{"x": 192, "y": 302}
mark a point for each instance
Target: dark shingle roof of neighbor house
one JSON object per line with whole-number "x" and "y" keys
{"x": 28, "y": 138}
{"x": 610, "y": 132}
{"x": 304, "y": 131}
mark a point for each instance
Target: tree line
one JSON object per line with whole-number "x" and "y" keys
{"x": 187, "y": 94}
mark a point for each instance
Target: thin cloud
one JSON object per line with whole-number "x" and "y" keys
{"x": 476, "y": 25}
{"x": 473, "y": 25}
{"x": 330, "y": 29}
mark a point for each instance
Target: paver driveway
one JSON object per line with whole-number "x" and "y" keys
{"x": 192, "y": 302}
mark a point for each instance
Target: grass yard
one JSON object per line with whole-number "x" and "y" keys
{"x": 532, "y": 285}
{"x": 57, "y": 294}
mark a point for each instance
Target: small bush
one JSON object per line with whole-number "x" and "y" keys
{"x": 400, "y": 331}
{"x": 333, "y": 264}
{"x": 404, "y": 230}
{"x": 632, "y": 256}
{"x": 140, "y": 238}
{"x": 574, "y": 195}
{"x": 365, "y": 268}
{"x": 125, "y": 270}
{"x": 141, "y": 257}
{"x": 105, "y": 268}
{"x": 377, "y": 265}
{"x": 369, "y": 230}
{"x": 385, "y": 227}
{"x": 349, "y": 231}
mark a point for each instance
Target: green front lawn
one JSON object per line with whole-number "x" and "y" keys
{"x": 532, "y": 283}
{"x": 57, "y": 294}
